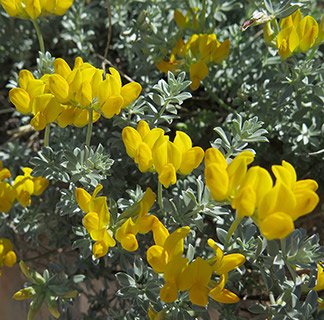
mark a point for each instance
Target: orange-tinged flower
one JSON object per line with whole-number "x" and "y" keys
{"x": 7, "y": 255}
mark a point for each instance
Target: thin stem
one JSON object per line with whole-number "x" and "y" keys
{"x": 231, "y": 230}
{"x": 47, "y": 135}
{"x": 160, "y": 198}
{"x": 89, "y": 130}
{"x": 39, "y": 36}
{"x": 203, "y": 16}
{"x": 108, "y": 37}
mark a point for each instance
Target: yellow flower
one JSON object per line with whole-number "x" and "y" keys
{"x": 183, "y": 22}
{"x": 177, "y": 156}
{"x": 25, "y": 186}
{"x": 7, "y": 196}
{"x": 7, "y": 255}
{"x": 219, "y": 294}
{"x": 198, "y": 71}
{"x": 167, "y": 247}
{"x": 195, "y": 279}
{"x": 32, "y": 9}
{"x": 112, "y": 96}
{"x": 223, "y": 180}
{"x": 297, "y": 34}
{"x": 96, "y": 220}
{"x": 4, "y": 173}
{"x": 320, "y": 279}
{"x": 275, "y": 208}
{"x": 223, "y": 264}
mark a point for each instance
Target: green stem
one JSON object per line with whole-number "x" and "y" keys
{"x": 203, "y": 16}
{"x": 39, "y": 36}
{"x": 160, "y": 198}
{"x": 89, "y": 130}
{"x": 47, "y": 135}
{"x": 231, "y": 230}
{"x": 311, "y": 55}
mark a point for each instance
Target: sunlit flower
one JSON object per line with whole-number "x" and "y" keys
{"x": 320, "y": 279}
{"x": 7, "y": 255}
{"x": 222, "y": 179}
{"x": 27, "y": 9}
{"x": 4, "y": 172}
{"x": 96, "y": 220}
{"x": 25, "y": 186}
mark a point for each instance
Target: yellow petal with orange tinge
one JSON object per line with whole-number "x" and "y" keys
{"x": 10, "y": 259}
{"x": 306, "y": 202}
{"x": 38, "y": 122}
{"x": 276, "y": 226}
{"x": 91, "y": 221}
{"x": 168, "y": 175}
{"x": 33, "y": 8}
{"x": 116, "y": 75}
{"x": 224, "y": 296}
{"x": 199, "y": 70}
{"x": 24, "y": 77}
{"x": 191, "y": 159}
{"x": 237, "y": 170}
{"x": 197, "y": 273}
{"x": 21, "y": 100}
{"x": 244, "y": 202}
{"x": 67, "y": 116}
{"x": 83, "y": 198}
{"x": 230, "y": 262}
{"x": 59, "y": 87}
{"x": 143, "y": 157}
{"x": 40, "y": 184}
{"x": 99, "y": 249}
{"x": 169, "y": 292}
{"x": 10, "y": 6}
{"x": 130, "y": 92}
{"x": 307, "y": 31}
{"x": 182, "y": 141}
{"x": 174, "y": 242}
{"x": 221, "y": 53}
{"x": 61, "y": 67}
{"x": 84, "y": 94}
{"x": 198, "y": 295}
{"x": 143, "y": 128}
{"x": 213, "y": 155}
{"x": 157, "y": 257}
{"x": 160, "y": 233}
{"x": 131, "y": 139}
{"x": 112, "y": 106}
{"x": 217, "y": 181}
{"x": 129, "y": 242}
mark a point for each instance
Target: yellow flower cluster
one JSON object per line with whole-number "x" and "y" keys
{"x": 152, "y": 151}
{"x": 143, "y": 224}
{"x": 7, "y": 255}
{"x": 297, "y": 34}
{"x": 273, "y": 207}
{"x": 96, "y": 220}
{"x": 23, "y": 188}
{"x": 32, "y": 9}
{"x": 66, "y": 96}
{"x": 166, "y": 257}
{"x": 199, "y": 51}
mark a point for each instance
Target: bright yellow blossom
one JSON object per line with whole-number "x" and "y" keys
{"x": 297, "y": 34}
{"x": 25, "y": 186}
{"x": 96, "y": 220}
{"x": 32, "y": 9}
{"x": 222, "y": 179}
{"x": 320, "y": 279}
{"x": 7, "y": 255}
{"x": 4, "y": 172}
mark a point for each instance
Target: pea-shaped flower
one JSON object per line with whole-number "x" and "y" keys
{"x": 96, "y": 220}
{"x": 7, "y": 255}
